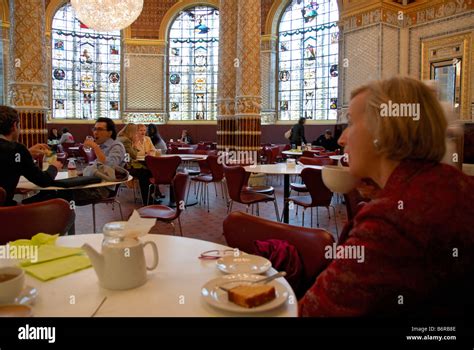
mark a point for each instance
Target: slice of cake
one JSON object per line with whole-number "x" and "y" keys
{"x": 251, "y": 295}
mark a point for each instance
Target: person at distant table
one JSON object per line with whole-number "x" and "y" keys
{"x": 66, "y": 137}
{"x": 185, "y": 138}
{"x": 327, "y": 141}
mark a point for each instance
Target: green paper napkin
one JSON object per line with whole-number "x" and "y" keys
{"x": 57, "y": 268}
{"x": 51, "y": 252}
{"x": 52, "y": 261}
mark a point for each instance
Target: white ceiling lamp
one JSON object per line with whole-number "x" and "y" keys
{"x": 107, "y": 15}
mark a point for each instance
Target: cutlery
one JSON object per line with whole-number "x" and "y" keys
{"x": 264, "y": 280}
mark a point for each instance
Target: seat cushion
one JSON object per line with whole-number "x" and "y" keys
{"x": 253, "y": 197}
{"x": 260, "y": 189}
{"x": 160, "y": 212}
{"x": 304, "y": 201}
{"x": 298, "y": 187}
{"x": 202, "y": 178}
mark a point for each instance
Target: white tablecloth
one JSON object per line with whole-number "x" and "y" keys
{"x": 173, "y": 289}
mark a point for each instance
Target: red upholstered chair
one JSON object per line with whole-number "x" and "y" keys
{"x": 241, "y": 230}
{"x": 215, "y": 176}
{"x": 236, "y": 179}
{"x": 3, "y": 196}
{"x": 24, "y": 221}
{"x": 165, "y": 213}
{"x": 320, "y": 195}
{"x": 301, "y": 187}
{"x": 163, "y": 170}
{"x": 318, "y": 148}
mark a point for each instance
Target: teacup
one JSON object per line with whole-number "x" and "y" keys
{"x": 12, "y": 281}
{"x": 338, "y": 178}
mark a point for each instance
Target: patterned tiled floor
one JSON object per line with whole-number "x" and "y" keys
{"x": 197, "y": 222}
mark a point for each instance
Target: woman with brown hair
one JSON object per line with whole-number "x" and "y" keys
{"x": 417, "y": 235}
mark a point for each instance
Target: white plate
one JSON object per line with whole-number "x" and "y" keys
{"x": 218, "y": 298}
{"x": 244, "y": 263}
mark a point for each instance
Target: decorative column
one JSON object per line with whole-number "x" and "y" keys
{"x": 28, "y": 83}
{"x": 268, "y": 62}
{"x": 248, "y": 97}
{"x": 227, "y": 74}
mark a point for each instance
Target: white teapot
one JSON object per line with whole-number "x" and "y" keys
{"x": 121, "y": 264}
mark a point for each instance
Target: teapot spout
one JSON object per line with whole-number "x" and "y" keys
{"x": 97, "y": 259}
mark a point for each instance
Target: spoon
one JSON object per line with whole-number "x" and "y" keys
{"x": 264, "y": 280}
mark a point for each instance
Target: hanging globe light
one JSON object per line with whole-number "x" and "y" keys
{"x": 107, "y": 15}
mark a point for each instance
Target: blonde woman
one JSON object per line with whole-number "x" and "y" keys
{"x": 143, "y": 143}
{"x": 128, "y": 136}
{"x": 416, "y": 237}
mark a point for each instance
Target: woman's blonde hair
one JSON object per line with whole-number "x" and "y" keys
{"x": 129, "y": 131}
{"x": 403, "y": 137}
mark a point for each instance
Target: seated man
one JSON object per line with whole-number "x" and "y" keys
{"x": 17, "y": 160}
{"x": 109, "y": 152}
{"x": 185, "y": 138}
{"x": 327, "y": 141}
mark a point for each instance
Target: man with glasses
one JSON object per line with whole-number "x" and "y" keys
{"x": 16, "y": 160}
{"x": 108, "y": 151}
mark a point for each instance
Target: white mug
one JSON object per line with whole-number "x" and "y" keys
{"x": 12, "y": 281}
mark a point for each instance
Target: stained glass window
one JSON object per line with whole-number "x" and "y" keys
{"x": 85, "y": 69}
{"x": 308, "y": 54}
{"x": 193, "y": 64}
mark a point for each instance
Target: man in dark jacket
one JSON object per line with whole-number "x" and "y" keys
{"x": 16, "y": 160}
{"x": 327, "y": 141}
{"x": 297, "y": 133}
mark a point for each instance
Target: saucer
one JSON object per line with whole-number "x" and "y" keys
{"x": 15, "y": 311}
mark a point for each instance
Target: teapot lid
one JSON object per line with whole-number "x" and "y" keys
{"x": 115, "y": 229}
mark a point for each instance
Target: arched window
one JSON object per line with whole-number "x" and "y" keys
{"x": 193, "y": 64}
{"x": 86, "y": 69}
{"x": 308, "y": 54}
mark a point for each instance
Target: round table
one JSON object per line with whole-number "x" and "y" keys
{"x": 281, "y": 169}
{"x": 24, "y": 184}
{"x": 173, "y": 289}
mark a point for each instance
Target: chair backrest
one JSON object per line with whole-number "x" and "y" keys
{"x": 24, "y": 221}
{"x": 235, "y": 178}
{"x": 180, "y": 182}
{"x": 308, "y": 154}
{"x": 320, "y": 194}
{"x": 163, "y": 169}
{"x": 3, "y": 196}
{"x": 203, "y": 166}
{"x": 241, "y": 230}
{"x": 271, "y": 153}
{"x": 316, "y": 161}
{"x": 217, "y": 170}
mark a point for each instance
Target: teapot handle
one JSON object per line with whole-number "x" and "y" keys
{"x": 155, "y": 255}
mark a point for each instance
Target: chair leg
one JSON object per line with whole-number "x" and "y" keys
{"x": 258, "y": 210}
{"x": 148, "y": 197}
{"x": 277, "y": 214}
{"x": 229, "y": 209}
{"x": 335, "y": 223}
{"x": 302, "y": 221}
{"x": 317, "y": 216}
{"x": 93, "y": 217}
{"x": 120, "y": 209}
{"x": 215, "y": 187}
{"x": 180, "y": 228}
{"x": 311, "y": 216}
{"x": 207, "y": 190}
{"x": 187, "y": 195}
